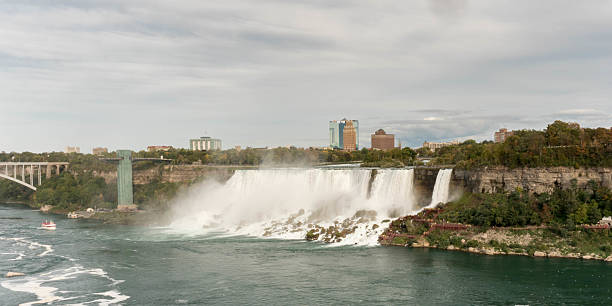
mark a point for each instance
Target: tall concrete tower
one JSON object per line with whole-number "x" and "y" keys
{"x": 125, "y": 194}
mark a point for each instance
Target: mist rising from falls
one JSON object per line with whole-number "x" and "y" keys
{"x": 286, "y": 203}
{"x": 441, "y": 188}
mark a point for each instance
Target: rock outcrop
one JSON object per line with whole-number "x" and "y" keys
{"x": 539, "y": 254}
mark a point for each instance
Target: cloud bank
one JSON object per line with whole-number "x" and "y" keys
{"x": 127, "y": 74}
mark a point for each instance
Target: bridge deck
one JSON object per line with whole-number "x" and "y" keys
{"x": 28, "y": 171}
{"x": 33, "y": 163}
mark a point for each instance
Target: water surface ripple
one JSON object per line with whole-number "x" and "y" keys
{"x": 89, "y": 263}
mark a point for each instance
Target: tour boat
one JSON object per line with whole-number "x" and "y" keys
{"x": 49, "y": 225}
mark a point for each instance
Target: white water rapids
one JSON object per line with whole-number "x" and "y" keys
{"x": 287, "y": 203}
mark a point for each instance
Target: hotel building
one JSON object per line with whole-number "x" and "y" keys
{"x": 344, "y": 134}
{"x": 205, "y": 144}
{"x": 383, "y": 141}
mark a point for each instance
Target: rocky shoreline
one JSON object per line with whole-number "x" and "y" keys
{"x": 492, "y": 251}
{"x": 428, "y": 229}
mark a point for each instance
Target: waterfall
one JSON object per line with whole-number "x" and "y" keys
{"x": 393, "y": 190}
{"x": 441, "y": 188}
{"x": 286, "y": 203}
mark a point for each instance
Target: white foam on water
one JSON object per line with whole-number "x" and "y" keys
{"x": 19, "y": 255}
{"x": 45, "y": 294}
{"x": 32, "y": 245}
{"x": 48, "y": 294}
{"x": 47, "y": 248}
{"x": 116, "y": 297}
{"x": 286, "y": 203}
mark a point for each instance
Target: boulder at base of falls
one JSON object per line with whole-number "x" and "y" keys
{"x": 14, "y": 274}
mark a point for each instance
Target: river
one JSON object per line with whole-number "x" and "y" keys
{"x": 88, "y": 263}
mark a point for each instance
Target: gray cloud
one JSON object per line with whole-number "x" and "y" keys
{"x": 448, "y": 9}
{"x": 583, "y": 112}
{"x": 133, "y": 73}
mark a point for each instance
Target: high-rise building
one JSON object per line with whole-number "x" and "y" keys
{"x": 73, "y": 150}
{"x": 349, "y": 136}
{"x": 344, "y": 134}
{"x": 502, "y": 135}
{"x": 335, "y": 134}
{"x": 205, "y": 144}
{"x": 383, "y": 141}
{"x": 99, "y": 151}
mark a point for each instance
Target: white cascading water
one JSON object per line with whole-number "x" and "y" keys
{"x": 286, "y": 203}
{"x": 441, "y": 188}
{"x": 393, "y": 190}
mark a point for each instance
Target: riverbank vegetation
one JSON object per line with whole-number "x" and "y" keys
{"x": 70, "y": 192}
{"x": 13, "y": 192}
{"x": 573, "y": 206}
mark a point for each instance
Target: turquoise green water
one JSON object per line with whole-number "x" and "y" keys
{"x": 89, "y": 263}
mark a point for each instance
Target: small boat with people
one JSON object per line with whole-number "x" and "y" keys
{"x": 48, "y": 225}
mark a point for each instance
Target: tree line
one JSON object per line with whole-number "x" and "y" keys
{"x": 248, "y": 156}
{"x": 560, "y": 144}
{"x": 572, "y": 206}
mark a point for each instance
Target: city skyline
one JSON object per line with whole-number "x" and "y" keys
{"x": 126, "y": 75}
{"x": 361, "y": 143}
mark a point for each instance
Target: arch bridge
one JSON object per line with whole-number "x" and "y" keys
{"x": 24, "y": 173}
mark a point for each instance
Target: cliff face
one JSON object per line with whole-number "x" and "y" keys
{"x": 174, "y": 174}
{"x": 109, "y": 177}
{"x": 424, "y": 181}
{"x": 486, "y": 180}
{"x": 539, "y": 180}
{"x": 184, "y": 173}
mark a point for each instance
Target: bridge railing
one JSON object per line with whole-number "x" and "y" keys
{"x": 12, "y": 171}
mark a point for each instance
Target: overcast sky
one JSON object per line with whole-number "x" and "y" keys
{"x": 132, "y": 73}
